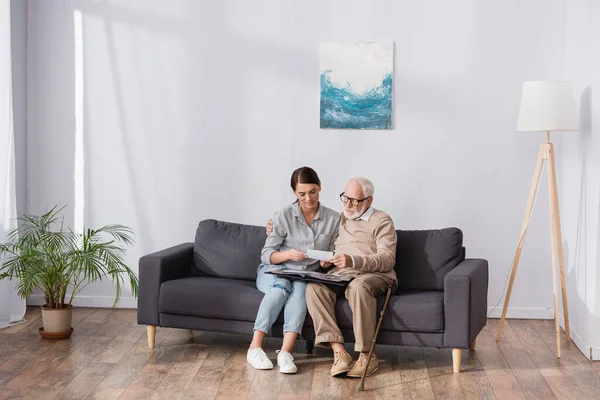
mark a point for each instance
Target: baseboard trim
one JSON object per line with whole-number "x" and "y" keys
{"x": 89, "y": 301}
{"x": 522, "y": 313}
{"x": 591, "y": 353}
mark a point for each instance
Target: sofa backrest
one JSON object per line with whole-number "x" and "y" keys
{"x": 230, "y": 250}
{"x": 424, "y": 257}
{"x": 227, "y": 250}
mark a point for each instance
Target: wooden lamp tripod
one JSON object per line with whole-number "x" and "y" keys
{"x": 545, "y": 106}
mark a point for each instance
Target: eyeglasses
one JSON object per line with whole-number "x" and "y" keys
{"x": 352, "y": 201}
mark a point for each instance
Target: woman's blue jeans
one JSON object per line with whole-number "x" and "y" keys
{"x": 279, "y": 293}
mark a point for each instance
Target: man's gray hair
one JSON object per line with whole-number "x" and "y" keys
{"x": 367, "y": 186}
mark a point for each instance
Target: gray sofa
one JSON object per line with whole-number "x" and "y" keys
{"x": 209, "y": 285}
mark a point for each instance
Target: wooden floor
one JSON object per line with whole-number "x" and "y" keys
{"x": 107, "y": 358}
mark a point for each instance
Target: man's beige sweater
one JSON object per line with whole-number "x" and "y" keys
{"x": 372, "y": 245}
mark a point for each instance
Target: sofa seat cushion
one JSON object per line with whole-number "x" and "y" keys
{"x": 208, "y": 297}
{"x": 412, "y": 311}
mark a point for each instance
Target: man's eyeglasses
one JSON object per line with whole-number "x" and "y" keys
{"x": 352, "y": 201}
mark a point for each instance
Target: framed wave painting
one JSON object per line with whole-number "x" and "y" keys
{"x": 356, "y": 85}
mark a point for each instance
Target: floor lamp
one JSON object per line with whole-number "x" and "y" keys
{"x": 546, "y": 106}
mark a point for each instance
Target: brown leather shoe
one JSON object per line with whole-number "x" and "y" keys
{"x": 359, "y": 366}
{"x": 342, "y": 361}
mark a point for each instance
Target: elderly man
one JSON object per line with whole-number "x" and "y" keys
{"x": 366, "y": 250}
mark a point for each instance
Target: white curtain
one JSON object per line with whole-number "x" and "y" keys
{"x": 12, "y": 307}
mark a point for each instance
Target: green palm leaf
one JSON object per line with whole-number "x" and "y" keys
{"x": 42, "y": 253}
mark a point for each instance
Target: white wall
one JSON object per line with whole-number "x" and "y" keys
{"x": 200, "y": 110}
{"x": 18, "y": 16}
{"x": 579, "y": 173}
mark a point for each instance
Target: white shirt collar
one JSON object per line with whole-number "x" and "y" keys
{"x": 367, "y": 214}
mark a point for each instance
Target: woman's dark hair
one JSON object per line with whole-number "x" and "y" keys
{"x": 304, "y": 175}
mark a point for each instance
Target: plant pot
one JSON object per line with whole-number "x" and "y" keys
{"x": 57, "y": 322}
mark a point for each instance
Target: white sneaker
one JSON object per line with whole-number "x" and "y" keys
{"x": 285, "y": 362}
{"x": 258, "y": 359}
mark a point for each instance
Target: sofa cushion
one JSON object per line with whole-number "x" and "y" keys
{"x": 423, "y": 258}
{"x": 419, "y": 311}
{"x": 238, "y": 300}
{"x": 227, "y": 250}
{"x": 208, "y": 297}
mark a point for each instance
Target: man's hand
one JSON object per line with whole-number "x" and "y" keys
{"x": 341, "y": 260}
{"x": 269, "y": 226}
{"x": 325, "y": 264}
{"x": 296, "y": 255}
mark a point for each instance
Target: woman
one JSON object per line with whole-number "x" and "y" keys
{"x": 305, "y": 224}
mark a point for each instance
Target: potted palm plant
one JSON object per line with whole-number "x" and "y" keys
{"x": 43, "y": 253}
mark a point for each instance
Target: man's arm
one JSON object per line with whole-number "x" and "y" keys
{"x": 385, "y": 258}
{"x": 274, "y": 242}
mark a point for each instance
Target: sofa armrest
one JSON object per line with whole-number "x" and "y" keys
{"x": 465, "y": 302}
{"x": 156, "y": 268}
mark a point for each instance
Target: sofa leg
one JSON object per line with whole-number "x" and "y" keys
{"x": 310, "y": 345}
{"x": 456, "y": 358}
{"x": 472, "y": 346}
{"x": 151, "y": 330}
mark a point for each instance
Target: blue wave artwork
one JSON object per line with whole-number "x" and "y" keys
{"x": 356, "y": 86}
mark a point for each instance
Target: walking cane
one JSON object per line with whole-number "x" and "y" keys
{"x": 361, "y": 384}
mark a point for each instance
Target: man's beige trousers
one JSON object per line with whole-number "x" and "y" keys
{"x": 361, "y": 294}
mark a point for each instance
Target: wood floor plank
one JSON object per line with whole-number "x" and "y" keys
{"x": 115, "y": 322}
{"x": 574, "y": 362}
{"x": 150, "y": 377}
{"x": 26, "y": 336}
{"x": 444, "y": 381}
{"x": 266, "y": 383}
{"x": 95, "y": 321}
{"x": 299, "y": 385}
{"x": 121, "y": 374}
{"x": 180, "y": 376}
{"x": 26, "y": 380}
{"x": 85, "y": 382}
{"x": 52, "y": 383}
{"x": 596, "y": 366}
{"x": 32, "y": 314}
{"x": 239, "y": 376}
{"x": 324, "y": 386}
{"x": 502, "y": 380}
{"x": 5, "y": 336}
{"x": 37, "y": 351}
{"x": 32, "y": 364}
{"x": 413, "y": 373}
{"x": 208, "y": 379}
{"x": 25, "y": 351}
{"x": 68, "y": 369}
{"x": 472, "y": 377}
{"x": 530, "y": 379}
{"x": 80, "y": 314}
{"x": 120, "y": 344}
{"x": 559, "y": 379}
{"x": 387, "y": 382}
{"x": 349, "y": 384}
{"x": 107, "y": 358}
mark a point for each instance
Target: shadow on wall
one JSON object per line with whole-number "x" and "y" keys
{"x": 169, "y": 155}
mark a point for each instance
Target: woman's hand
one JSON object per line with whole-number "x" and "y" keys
{"x": 325, "y": 264}
{"x": 296, "y": 255}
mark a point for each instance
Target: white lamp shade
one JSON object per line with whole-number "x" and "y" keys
{"x": 547, "y": 106}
